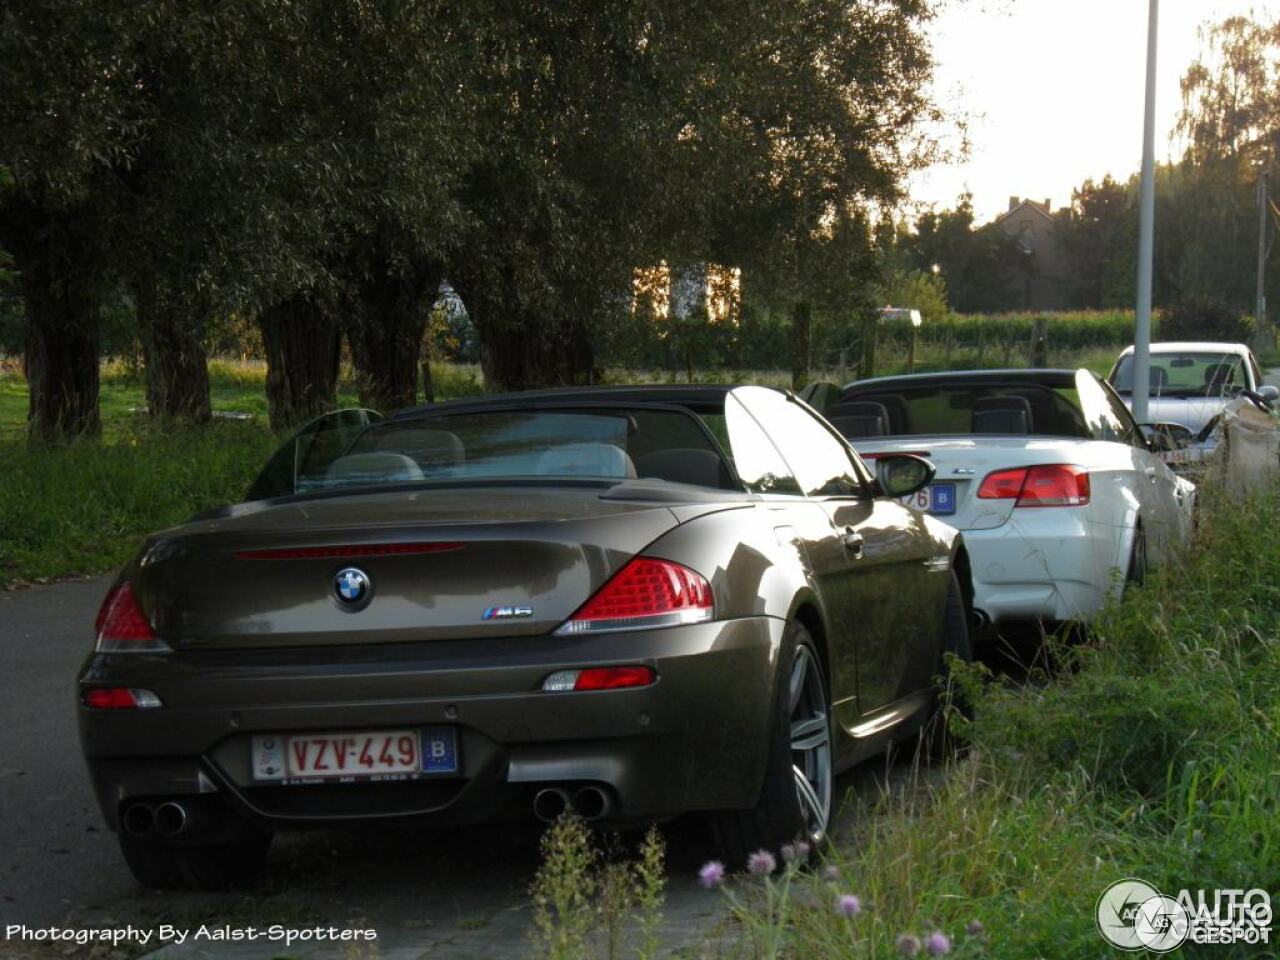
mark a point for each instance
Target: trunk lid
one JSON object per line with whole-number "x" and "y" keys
{"x": 263, "y": 574}
{"x": 965, "y": 462}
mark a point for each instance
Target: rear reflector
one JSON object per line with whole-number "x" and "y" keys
{"x": 122, "y": 627}
{"x": 646, "y": 593}
{"x": 599, "y": 678}
{"x": 1044, "y": 485}
{"x": 352, "y": 551}
{"x": 120, "y": 698}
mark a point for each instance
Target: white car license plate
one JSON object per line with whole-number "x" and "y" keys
{"x": 376, "y": 755}
{"x": 936, "y": 498}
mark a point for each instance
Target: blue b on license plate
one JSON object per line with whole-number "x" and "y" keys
{"x": 439, "y": 750}
{"x": 936, "y": 498}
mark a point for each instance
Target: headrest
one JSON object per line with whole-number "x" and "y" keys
{"x": 586, "y": 460}
{"x": 860, "y": 418}
{"x": 359, "y": 469}
{"x": 1005, "y": 414}
{"x": 702, "y": 468}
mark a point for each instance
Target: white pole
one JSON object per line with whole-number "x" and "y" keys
{"x": 1146, "y": 231}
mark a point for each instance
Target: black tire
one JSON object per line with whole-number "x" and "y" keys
{"x": 779, "y": 817}
{"x": 937, "y": 739}
{"x": 1136, "y": 574}
{"x": 235, "y": 860}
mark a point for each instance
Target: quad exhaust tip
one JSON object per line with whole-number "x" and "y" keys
{"x": 589, "y": 802}
{"x": 171, "y": 819}
{"x": 549, "y": 803}
{"x": 138, "y": 820}
{"x": 168, "y": 820}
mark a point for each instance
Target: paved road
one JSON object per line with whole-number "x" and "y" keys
{"x": 446, "y": 896}
{"x": 55, "y": 853}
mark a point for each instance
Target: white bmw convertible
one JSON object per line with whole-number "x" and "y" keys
{"x": 1060, "y": 497}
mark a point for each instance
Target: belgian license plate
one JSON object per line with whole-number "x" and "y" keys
{"x": 936, "y": 498}
{"x": 350, "y": 757}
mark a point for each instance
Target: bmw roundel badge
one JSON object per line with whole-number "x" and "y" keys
{"x": 352, "y": 587}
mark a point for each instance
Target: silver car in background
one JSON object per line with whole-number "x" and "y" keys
{"x": 1192, "y": 382}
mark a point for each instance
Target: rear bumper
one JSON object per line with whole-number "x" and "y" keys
{"x": 693, "y": 740}
{"x": 1043, "y": 567}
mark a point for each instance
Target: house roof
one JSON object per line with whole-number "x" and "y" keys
{"x": 1025, "y": 204}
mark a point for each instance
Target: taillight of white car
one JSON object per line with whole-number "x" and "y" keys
{"x": 645, "y": 593}
{"x": 1042, "y": 485}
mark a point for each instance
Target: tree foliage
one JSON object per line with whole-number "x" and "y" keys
{"x": 326, "y": 164}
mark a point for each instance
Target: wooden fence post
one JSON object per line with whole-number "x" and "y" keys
{"x": 1040, "y": 342}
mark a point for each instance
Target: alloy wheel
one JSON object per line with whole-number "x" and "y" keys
{"x": 810, "y": 743}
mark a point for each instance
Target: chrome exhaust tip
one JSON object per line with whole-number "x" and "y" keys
{"x": 549, "y": 803}
{"x": 138, "y": 820}
{"x": 171, "y": 819}
{"x": 592, "y": 802}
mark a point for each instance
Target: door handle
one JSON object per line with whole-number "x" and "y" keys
{"x": 1151, "y": 473}
{"x": 853, "y": 543}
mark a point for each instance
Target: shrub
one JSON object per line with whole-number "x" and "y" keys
{"x": 1204, "y": 318}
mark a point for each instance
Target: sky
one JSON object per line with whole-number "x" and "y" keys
{"x": 1054, "y": 92}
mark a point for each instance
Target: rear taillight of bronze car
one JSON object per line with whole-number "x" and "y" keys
{"x": 122, "y": 627}
{"x": 646, "y": 593}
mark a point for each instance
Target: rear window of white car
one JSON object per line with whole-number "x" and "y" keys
{"x": 963, "y": 408}
{"x": 1185, "y": 374}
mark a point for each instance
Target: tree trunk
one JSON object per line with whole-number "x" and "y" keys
{"x": 801, "y": 331}
{"x": 536, "y": 352}
{"x": 870, "y": 333}
{"x": 386, "y": 340}
{"x": 59, "y": 278}
{"x": 428, "y": 384}
{"x": 303, "y": 345}
{"x": 172, "y": 332}
{"x": 521, "y": 350}
{"x": 61, "y": 363}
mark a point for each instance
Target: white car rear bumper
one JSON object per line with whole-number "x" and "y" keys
{"x": 1043, "y": 564}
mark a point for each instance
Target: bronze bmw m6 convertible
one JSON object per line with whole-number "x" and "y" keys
{"x": 634, "y": 603}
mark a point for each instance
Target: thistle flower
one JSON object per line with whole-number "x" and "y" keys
{"x": 831, "y": 872}
{"x": 761, "y": 863}
{"x": 848, "y": 905}
{"x": 974, "y": 928}
{"x": 938, "y": 944}
{"x": 802, "y": 851}
{"x": 788, "y": 853}
{"x": 908, "y": 944}
{"x": 711, "y": 874}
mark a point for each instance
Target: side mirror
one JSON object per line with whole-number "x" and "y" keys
{"x": 902, "y": 474}
{"x": 1166, "y": 437}
{"x": 1269, "y": 393}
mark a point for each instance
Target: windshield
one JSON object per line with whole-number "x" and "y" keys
{"x": 505, "y": 444}
{"x": 959, "y": 408}
{"x": 1184, "y": 374}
